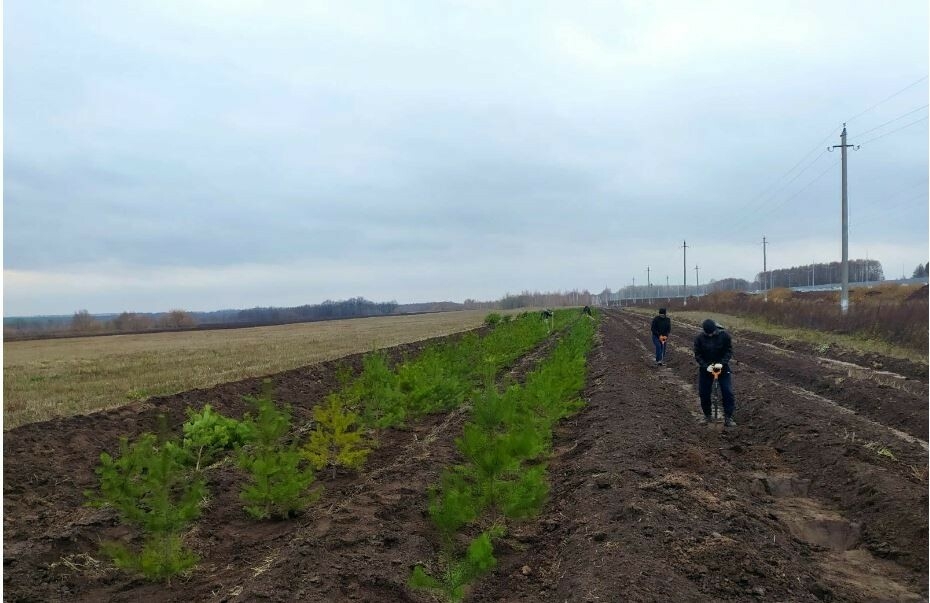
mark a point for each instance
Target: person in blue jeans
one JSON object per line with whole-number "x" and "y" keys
{"x": 713, "y": 350}
{"x": 661, "y": 327}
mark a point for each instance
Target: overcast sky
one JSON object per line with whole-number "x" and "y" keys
{"x": 230, "y": 154}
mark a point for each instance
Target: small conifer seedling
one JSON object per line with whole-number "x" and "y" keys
{"x": 151, "y": 487}
{"x": 278, "y": 483}
{"x": 208, "y": 432}
{"x": 458, "y": 573}
{"x": 335, "y": 440}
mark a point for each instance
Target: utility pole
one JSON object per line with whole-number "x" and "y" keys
{"x": 648, "y": 285}
{"x": 844, "y": 271}
{"x": 697, "y": 279}
{"x": 684, "y": 266}
{"x": 765, "y": 287}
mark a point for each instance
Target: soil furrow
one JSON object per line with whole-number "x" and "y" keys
{"x": 356, "y": 535}
{"x": 803, "y": 501}
{"x": 648, "y": 505}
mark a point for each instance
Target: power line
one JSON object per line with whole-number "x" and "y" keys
{"x": 879, "y": 214}
{"x": 895, "y": 130}
{"x": 767, "y": 190}
{"x": 775, "y": 206}
{"x": 890, "y": 121}
{"x": 801, "y": 190}
{"x": 908, "y": 87}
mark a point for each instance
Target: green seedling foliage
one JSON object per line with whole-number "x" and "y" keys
{"x": 335, "y": 440}
{"x": 525, "y": 495}
{"x": 431, "y": 383}
{"x": 161, "y": 557}
{"x": 456, "y": 502}
{"x": 151, "y": 487}
{"x": 376, "y": 393}
{"x": 508, "y": 431}
{"x": 208, "y": 432}
{"x": 492, "y": 319}
{"x": 443, "y": 374}
{"x": 503, "y": 432}
{"x": 279, "y": 482}
{"x": 459, "y": 572}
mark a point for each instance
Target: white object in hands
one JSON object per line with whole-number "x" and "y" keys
{"x": 718, "y": 367}
{"x": 710, "y": 368}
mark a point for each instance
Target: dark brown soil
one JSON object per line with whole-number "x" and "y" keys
{"x": 804, "y": 501}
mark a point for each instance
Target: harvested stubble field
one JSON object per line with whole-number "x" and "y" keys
{"x": 61, "y": 377}
{"x": 820, "y": 494}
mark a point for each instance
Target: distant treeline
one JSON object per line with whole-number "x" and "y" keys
{"x": 535, "y": 299}
{"x": 350, "y": 308}
{"x": 860, "y": 271}
{"x": 83, "y": 322}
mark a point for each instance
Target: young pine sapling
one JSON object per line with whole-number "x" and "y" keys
{"x": 335, "y": 440}
{"x": 208, "y": 432}
{"x": 150, "y": 485}
{"x": 278, "y": 483}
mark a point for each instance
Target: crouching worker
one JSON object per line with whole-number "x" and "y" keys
{"x": 713, "y": 350}
{"x": 661, "y": 327}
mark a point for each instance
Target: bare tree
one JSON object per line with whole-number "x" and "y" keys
{"x": 131, "y": 322}
{"x": 176, "y": 319}
{"x": 83, "y": 322}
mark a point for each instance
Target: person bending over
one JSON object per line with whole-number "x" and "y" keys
{"x": 661, "y": 327}
{"x": 713, "y": 350}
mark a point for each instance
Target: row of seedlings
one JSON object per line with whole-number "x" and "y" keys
{"x": 503, "y": 473}
{"x": 157, "y": 481}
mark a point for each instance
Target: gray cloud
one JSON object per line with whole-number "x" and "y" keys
{"x": 422, "y": 151}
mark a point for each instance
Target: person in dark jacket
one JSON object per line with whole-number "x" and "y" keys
{"x": 661, "y": 327}
{"x": 713, "y": 349}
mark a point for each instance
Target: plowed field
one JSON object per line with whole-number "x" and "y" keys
{"x": 820, "y": 493}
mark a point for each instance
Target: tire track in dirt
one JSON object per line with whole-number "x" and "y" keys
{"x": 647, "y": 505}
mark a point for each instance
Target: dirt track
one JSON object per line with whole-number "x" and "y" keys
{"x": 803, "y": 501}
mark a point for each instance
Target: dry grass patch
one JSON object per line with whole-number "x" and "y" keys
{"x": 62, "y": 377}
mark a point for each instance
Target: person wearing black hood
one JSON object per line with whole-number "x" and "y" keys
{"x": 661, "y": 327}
{"x": 713, "y": 348}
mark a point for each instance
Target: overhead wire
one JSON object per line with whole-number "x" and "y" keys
{"x": 768, "y": 194}
{"x": 893, "y": 131}
{"x": 881, "y": 212}
{"x": 908, "y": 87}
{"x": 766, "y": 211}
{"x": 891, "y": 121}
